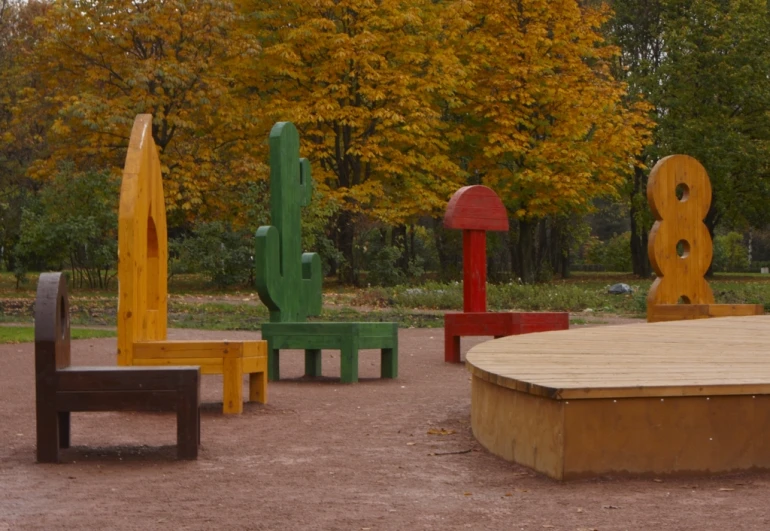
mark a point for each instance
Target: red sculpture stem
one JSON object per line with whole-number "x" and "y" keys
{"x": 475, "y": 271}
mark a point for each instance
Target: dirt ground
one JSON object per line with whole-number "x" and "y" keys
{"x": 326, "y": 456}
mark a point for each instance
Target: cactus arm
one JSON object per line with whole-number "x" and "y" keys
{"x": 312, "y": 278}
{"x": 267, "y": 274}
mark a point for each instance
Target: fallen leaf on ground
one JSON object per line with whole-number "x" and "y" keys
{"x": 440, "y": 431}
{"x": 725, "y": 489}
{"x": 410, "y": 444}
{"x": 658, "y": 480}
{"x": 610, "y": 507}
{"x": 467, "y": 494}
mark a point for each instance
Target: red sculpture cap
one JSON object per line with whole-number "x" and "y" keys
{"x": 476, "y": 208}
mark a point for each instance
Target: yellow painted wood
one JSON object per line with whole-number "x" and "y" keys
{"x": 680, "y": 246}
{"x": 232, "y": 376}
{"x": 142, "y": 288}
{"x": 258, "y": 385}
{"x": 188, "y": 349}
{"x": 142, "y": 245}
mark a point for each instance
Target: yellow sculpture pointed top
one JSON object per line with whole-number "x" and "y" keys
{"x": 142, "y": 245}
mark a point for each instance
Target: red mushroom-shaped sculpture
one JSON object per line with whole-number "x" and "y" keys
{"x": 475, "y": 210}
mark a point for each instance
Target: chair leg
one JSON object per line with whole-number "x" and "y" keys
{"x": 451, "y": 346}
{"x": 232, "y": 381}
{"x": 273, "y": 364}
{"x": 349, "y": 360}
{"x": 389, "y": 362}
{"x": 64, "y": 429}
{"x": 258, "y": 387}
{"x": 48, "y": 437}
{"x": 187, "y": 427}
{"x": 313, "y": 362}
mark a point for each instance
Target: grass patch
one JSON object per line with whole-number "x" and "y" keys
{"x": 26, "y": 334}
{"x": 194, "y": 304}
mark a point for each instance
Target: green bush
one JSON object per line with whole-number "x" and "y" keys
{"x": 223, "y": 255}
{"x": 383, "y": 269}
{"x": 73, "y": 224}
{"x": 613, "y": 255}
{"x": 730, "y": 254}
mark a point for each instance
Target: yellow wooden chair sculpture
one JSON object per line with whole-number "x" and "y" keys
{"x": 143, "y": 293}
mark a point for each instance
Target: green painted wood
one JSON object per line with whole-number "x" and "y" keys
{"x": 313, "y": 362}
{"x": 273, "y": 363}
{"x": 389, "y": 362}
{"x": 348, "y": 338}
{"x": 287, "y": 280}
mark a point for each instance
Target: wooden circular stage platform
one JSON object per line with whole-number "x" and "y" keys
{"x": 652, "y": 398}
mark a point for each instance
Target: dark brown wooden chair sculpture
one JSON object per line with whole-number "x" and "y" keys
{"x": 61, "y": 389}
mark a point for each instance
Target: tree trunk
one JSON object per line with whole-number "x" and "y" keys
{"x": 348, "y": 271}
{"x": 525, "y": 251}
{"x": 639, "y": 233}
{"x": 711, "y": 221}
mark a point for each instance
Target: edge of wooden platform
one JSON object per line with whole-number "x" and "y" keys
{"x": 618, "y": 391}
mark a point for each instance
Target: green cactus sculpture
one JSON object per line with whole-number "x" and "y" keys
{"x": 288, "y": 281}
{"x": 290, "y": 286}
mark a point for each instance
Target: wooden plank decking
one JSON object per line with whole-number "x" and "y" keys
{"x": 684, "y": 397}
{"x": 726, "y": 356}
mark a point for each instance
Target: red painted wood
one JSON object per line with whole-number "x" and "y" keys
{"x": 476, "y": 208}
{"x": 474, "y": 271}
{"x": 500, "y": 324}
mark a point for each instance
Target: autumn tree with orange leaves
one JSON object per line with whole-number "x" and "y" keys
{"x": 400, "y": 102}
{"x": 180, "y": 60}
{"x": 364, "y": 82}
{"x": 544, "y": 119}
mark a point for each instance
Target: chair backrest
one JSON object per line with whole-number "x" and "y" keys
{"x": 142, "y": 245}
{"x": 287, "y": 280}
{"x": 475, "y": 210}
{"x": 680, "y": 247}
{"x": 52, "y": 326}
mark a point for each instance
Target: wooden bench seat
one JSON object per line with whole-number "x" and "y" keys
{"x": 62, "y": 389}
{"x": 232, "y": 359}
{"x": 348, "y": 338}
{"x": 496, "y": 324}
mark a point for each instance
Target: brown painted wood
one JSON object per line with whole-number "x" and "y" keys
{"x": 61, "y": 389}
